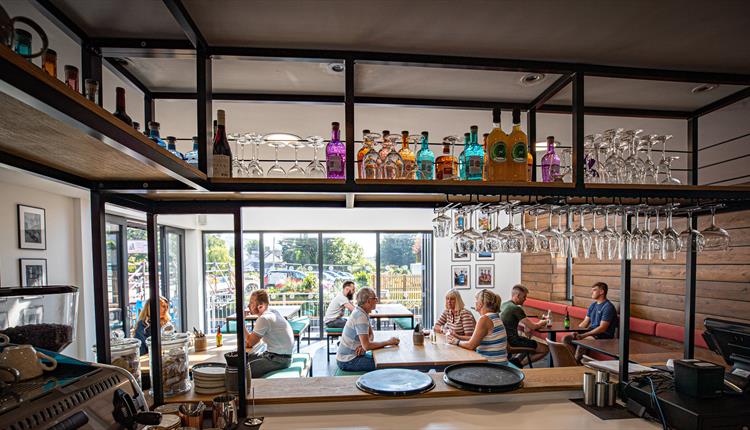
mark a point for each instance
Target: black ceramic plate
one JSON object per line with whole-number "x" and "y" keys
{"x": 395, "y": 382}
{"x": 483, "y": 377}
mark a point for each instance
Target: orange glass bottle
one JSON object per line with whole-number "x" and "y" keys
{"x": 498, "y": 157}
{"x": 446, "y": 166}
{"x": 410, "y": 161}
{"x": 366, "y": 147}
{"x": 518, "y": 154}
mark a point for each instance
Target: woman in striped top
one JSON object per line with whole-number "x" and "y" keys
{"x": 489, "y": 335}
{"x": 455, "y": 318}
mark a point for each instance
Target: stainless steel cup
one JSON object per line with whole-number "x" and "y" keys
{"x": 601, "y": 394}
{"x": 602, "y": 376}
{"x": 224, "y": 411}
{"x": 611, "y": 393}
{"x": 589, "y": 388}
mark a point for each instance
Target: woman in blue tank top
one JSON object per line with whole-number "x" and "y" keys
{"x": 489, "y": 335}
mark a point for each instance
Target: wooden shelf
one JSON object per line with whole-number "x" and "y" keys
{"x": 60, "y": 132}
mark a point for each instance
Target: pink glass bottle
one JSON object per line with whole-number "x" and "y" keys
{"x": 336, "y": 154}
{"x": 550, "y": 162}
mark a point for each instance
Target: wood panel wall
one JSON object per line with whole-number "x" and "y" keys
{"x": 658, "y": 287}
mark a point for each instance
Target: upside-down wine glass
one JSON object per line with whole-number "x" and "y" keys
{"x": 570, "y": 245}
{"x": 254, "y": 168}
{"x": 609, "y": 237}
{"x": 316, "y": 169}
{"x": 296, "y": 171}
{"x": 717, "y": 239}
{"x": 512, "y": 237}
{"x": 581, "y": 237}
{"x": 551, "y": 235}
{"x": 596, "y": 238}
{"x": 690, "y": 234}
{"x": 276, "y": 141}
{"x": 672, "y": 243}
{"x": 657, "y": 240}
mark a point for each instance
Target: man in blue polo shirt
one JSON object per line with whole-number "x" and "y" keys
{"x": 601, "y": 320}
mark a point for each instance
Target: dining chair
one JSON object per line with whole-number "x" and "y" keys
{"x": 561, "y": 355}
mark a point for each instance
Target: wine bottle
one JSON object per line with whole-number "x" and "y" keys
{"x": 120, "y": 107}
{"x": 222, "y": 153}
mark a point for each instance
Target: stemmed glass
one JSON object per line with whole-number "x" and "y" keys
{"x": 672, "y": 243}
{"x": 581, "y": 237}
{"x": 551, "y": 236}
{"x": 570, "y": 245}
{"x": 441, "y": 224}
{"x": 276, "y": 141}
{"x": 657, "y": 240}
{"x": 473, "y": 241}
{"x": 626, "y": 237}
{"x": 650, "y": 170}
{"x": 609, "y": 237}
{"x": 492, "y": 240}
{"x": 596, "y": 237}
{"x": 635, "y": 236}
{"x": 716, "y": 238}
{"x": 531, "y": 244}
{"x": 458, "y": 238}
{"x": 513, "y": 238}
{"x": 316, "y": 169}
{"x": 253, "y": 168}
{"x": 238, "y": 170}
{"x": 687, "y": 235}
{"x": 296, "y": 171}
{"x": 540, "y": 242}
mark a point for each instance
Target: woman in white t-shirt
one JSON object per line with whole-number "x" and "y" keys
{"x": 274, "y": 330}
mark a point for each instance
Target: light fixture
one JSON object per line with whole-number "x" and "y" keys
{"x": 704, "y": 88}
{"x": 531, "y": 79}
{"x": 542, "y": 146}
{"x": 336, "y": 67}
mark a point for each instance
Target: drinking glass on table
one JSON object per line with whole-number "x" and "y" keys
{"x": 447, "y": 333}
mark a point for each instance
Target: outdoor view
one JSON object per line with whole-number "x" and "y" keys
{"x": 293, "y": 277}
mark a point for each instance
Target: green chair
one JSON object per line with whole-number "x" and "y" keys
{"x": 301, "y": 367}
{"x": 340, "y": 372}
{"x": 299, "y": 325}
{"x": 403, "y": 323}
{"x": 332, "y": 333}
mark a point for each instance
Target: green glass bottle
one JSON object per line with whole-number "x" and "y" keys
{"x": 462, "y": 157}
{"x": 425, "y": 160}
{"x": 474, "y": 157}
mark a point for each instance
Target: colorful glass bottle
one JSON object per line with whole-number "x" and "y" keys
{"x": 119, "y": 112}
{"x": 23, "y": 43}
{"x": 519, "y": 150}
{"x": 446, "y": 166}
{"x": 153, "y": 127}
{"x": 172, "y": 147}
{"x": 497, "y": 144}
{"x": 474, "y": 157}
{"x": 192, "y": 156}
{"x": 407, "y": 155}
{"x": 425, "y": 160}
{"x": 550, "y": 162}
{"x": 49, "y": 62}
{"x": 221, "y": 158}
{"x": 462, "y": 157}
{"x": 336, "y": 154}
{"x": 371, "y": 159}
{"x": 364, "y": 150}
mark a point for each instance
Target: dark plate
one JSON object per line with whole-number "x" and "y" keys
{"x": 395, "y": 382}
{"x": 483, "y": 377}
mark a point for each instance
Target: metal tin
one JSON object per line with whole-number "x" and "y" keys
{"x": 601, "y": 394}
{"x": 483, "y": 377}
{"x": 395, "y": 382}
{"x": 589, "y": 388}
{"x": 602, "y": 376}
{"x": 611, "y": 393}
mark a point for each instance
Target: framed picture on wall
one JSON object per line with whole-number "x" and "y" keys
{"x": 484, "y": 222}
{"x": 461, "y": 275}
{"x": 33, "y": 272}
{"x": 460, "y": 256}
{"x": 32, "y": 228}
{"x": 458, "y": 221}
{"x": 485, "y": 276}
{"x": 485, "y": 256}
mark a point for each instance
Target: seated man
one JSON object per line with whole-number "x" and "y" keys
{"x": 513, "y": 315}
{"x": 334, "y": 317}
{"x": 601, "y": 319}
{"x": 272, "y": 328}
{"x": 357, "y": 337}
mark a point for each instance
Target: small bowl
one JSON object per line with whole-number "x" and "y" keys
{"x": 253, "y": 423}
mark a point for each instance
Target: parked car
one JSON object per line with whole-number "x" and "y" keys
{"x": 346, "y": 275}
{"x": 334, "y": 275}
{"x": 281, "y": 277}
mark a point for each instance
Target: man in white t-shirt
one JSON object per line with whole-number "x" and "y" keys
{"x": 334, "y": 317}
{"x": 272, "y": 328}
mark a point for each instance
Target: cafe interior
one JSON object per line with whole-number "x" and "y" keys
{"x": 530, "y": 213}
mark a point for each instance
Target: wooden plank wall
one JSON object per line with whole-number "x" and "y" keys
{"x": 658, "y": 287}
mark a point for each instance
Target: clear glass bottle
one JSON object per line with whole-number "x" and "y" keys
{"x": 371, "y": 159}
{"x": 474, "y": 157}
{"x": 462, "y": 157}
{"x": 192, "y": 156}
{"x": 153, "y": 134}
{"x": 497, "y": 144}
{"x": 172, "y": 147}
{"x": 336, "y": 154}
{"x": 425, "y": 160}
{"x": 222, "y": 152}
{"x": 393, "y": 166}
{"x": 364, "y": 150}
{"x": 119, "y": 112}
{"x": 519, "y": 150}
{"x": 446, "y": 166}
{"x": 550, "y": 162}
{"x": 383, "y": 152}
{"x": 407, "y": 155}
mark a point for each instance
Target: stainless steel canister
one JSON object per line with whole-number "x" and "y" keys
{"x": 589, "y": 388}
{"x": 225, "y": 411}
{"x": 601, "y": 394}
{"x": 611, "y": 393}
{"x": 602, "y": 376}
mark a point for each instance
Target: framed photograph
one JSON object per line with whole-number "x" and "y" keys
{"x": 33, "y": 272}
{"x": 458, "y": 221}
{"x": 461, "y": 277}
{"x": 484, "y": 222}
{"x": 32, "y": 228}
{"x": 485, "y": 256}
{"x": 460, "y": 256}
{"x": 485, "y": 276}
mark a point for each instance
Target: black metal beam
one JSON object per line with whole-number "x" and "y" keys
{"x": 54, "y": 14}
{"x": 141, "y": 185}
{"x": 531, "y": 133}
{"x": 550, "y": 91}
{"x": 116, "y": 66}
{"x": 624, "y": 341}
{"x": 149, "y": 110}
{"x": 691, "y": 257}
{"x": 91, "y": 67}
{"x": 623, "y": 112}
{"x": 189, "y": 27}
{"x": 578, "y": 118}
{"x": 349, "y": 118}
{"x": 723, "y": 102}
{"x": 239, "y": 293}
{"x": 141, "y": 47}
{"x": 43, "y": 170}
{"x": 131, "y": 201}
{"x": 253, "y": 97}
{"x": 205, "y": 112}
{"x": 154, "y": 296}
{"x": 437, "y": 103}
{"x": 99, "y": 258}
{"x": 693, "y": 151}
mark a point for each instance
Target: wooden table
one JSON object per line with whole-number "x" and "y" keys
{"x": 639, "y": 350}
{"x": 211, "y": 355}
{"x": 425, "y": 357}
{"x": 557, "y": 327}
{"x": 391, "y": 310}
{"x": 287, "y": 311}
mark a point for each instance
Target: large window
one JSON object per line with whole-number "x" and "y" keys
{"x": 307, "y": 269}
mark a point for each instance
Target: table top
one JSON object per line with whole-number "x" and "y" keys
{"x": 407, "y": 354}
{"x": 391, "y": 310}
{"x": 287, "y": 311}
{"x": 611, "y": 347}
{"x": 212, "y": 354}
{"x": 557, "y": 326}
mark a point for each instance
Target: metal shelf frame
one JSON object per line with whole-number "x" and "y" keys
{"x": 97, "y": 52}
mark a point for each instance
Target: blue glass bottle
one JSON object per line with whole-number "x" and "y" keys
{"x": 462, "y": 157}
{"x": 474, "y": 155}
{"x": 23, "y": 43}
{"x": 425, "y": 160}
{"x": 153, "y": 127}
{"x": 172, "y": 147}
{"x": 192, "y": 156}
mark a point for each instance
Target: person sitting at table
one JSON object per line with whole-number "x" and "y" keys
{"x": 488, "y": 338}
{"x": 274, "y": 330}
{"x": 455, "y": 319}
{"x": 357, "y": 336}
{"x": 601, "y": 319}
{"x": 143, "y": 325}
{"x": 334, "y": 317}
{"x": 513, "y": 315}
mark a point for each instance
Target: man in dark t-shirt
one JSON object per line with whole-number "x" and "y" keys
{"x": 601, "y": 320}
{"x": 513, "y": 315}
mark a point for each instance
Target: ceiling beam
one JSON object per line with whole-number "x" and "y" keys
{"x": 550, "y": 91}
{"x": 144, "y": 48}
{"x": 181, "y": 15}
{"x": 115, "y": 66}
{"x": 437, "y": 103}
{"x": 723, "y": 102}
{"x": 623, "y": 112}
{"x": 70, "y": 28}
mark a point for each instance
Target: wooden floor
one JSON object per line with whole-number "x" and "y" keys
{"x": 545, "y": 415}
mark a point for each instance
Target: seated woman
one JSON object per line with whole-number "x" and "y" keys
{"x": 272, "y": 328}
{"x": 489, "y": 334}
{"x": 142, "y": 326}
{"x": 455, "y": 319}
{"x": 357, "y": 336}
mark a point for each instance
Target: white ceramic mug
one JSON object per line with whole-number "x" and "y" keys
{"x": 26, "y": 360}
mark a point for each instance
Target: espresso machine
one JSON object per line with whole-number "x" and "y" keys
{"x": 68, "y": 393}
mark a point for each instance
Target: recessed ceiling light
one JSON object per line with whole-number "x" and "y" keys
{"x": 531, "y": 79}
{"x": 702, "y": 88}
{"x": 336, "y": 67}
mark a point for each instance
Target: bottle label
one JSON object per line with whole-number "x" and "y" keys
{"x": 409, "y": 167}
{"x": 498, "y": 152}
{"x": 222, "y": 166}
{"x": 446, "y": 172}
{"x": 474, "y": 165}
{"x": 334, "y": 163}
{"x": 519, "y": 152}
{"x": 425, "y": 169}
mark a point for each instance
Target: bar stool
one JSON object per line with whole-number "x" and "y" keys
{"x": 523, "y": 351}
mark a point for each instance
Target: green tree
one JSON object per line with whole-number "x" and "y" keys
{"x": 397, "y": 250}
{"x": 341, "y": 252}
{"x": 299, "y": 250}
{"x": 217, "y": 250}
